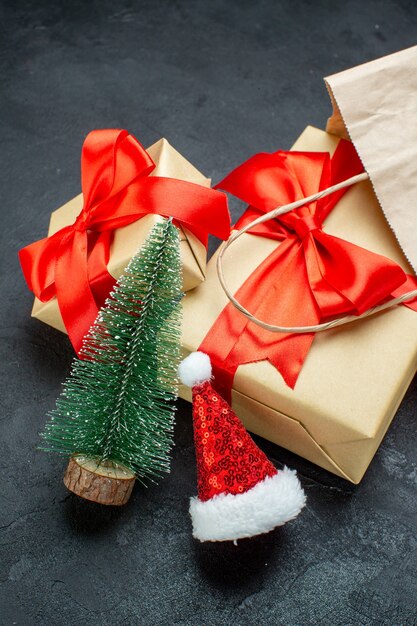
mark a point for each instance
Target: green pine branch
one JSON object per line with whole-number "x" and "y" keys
{"x": 118, "y": 402}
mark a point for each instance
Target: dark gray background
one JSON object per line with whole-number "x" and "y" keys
{"x": 221, "y": 80}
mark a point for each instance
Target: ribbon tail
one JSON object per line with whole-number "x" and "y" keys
{"x": 289, "y": 355}
{"x": 71, "y": 277}
{"x": 277, "y": 292}
{"x": 223, "y": 377}
{"x": 289, "y": 302}
{"x": 100, "y": 280}
{"x": 38, "y": 265}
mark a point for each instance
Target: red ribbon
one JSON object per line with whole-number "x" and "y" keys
{"x": 309, "y": 277}
{"x": 117, "y": 188}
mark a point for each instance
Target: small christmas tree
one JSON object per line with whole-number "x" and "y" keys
{"x": 115, "y": 414}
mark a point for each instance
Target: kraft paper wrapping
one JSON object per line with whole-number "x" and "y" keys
{"x": 128, "y": 240}
{"x": 375, "y": 104}
{"x": 354, "y": 376}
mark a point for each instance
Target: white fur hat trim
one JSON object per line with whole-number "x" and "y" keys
{"x": 226, "y": 517}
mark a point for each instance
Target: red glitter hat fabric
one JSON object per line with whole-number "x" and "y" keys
{"x": 228, "y": 460}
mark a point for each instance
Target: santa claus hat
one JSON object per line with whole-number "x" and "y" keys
{"x": 240, "y": 492}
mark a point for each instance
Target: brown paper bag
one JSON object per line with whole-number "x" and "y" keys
{"x": 375, "y": 104}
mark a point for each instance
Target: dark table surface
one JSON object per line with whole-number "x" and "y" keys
{"x": 221, "y": 80}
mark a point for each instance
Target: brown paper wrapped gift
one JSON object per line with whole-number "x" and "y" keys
{"x": 354, "y": 377}
{"x": 127, "y": 240}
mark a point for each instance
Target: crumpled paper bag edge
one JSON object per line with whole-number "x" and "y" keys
{"x": 334, "y": 126}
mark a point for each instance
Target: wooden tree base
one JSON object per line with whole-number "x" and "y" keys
{"x": 108, "y": 483}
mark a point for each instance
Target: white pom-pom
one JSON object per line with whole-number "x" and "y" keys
{"x": 195, "y": 369}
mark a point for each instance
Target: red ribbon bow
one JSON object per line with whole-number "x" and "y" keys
{"x": 309, "y": 277}
{"x": 117, "y": 188}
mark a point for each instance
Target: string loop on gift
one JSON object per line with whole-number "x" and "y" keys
{"x": 347, "y": 319}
